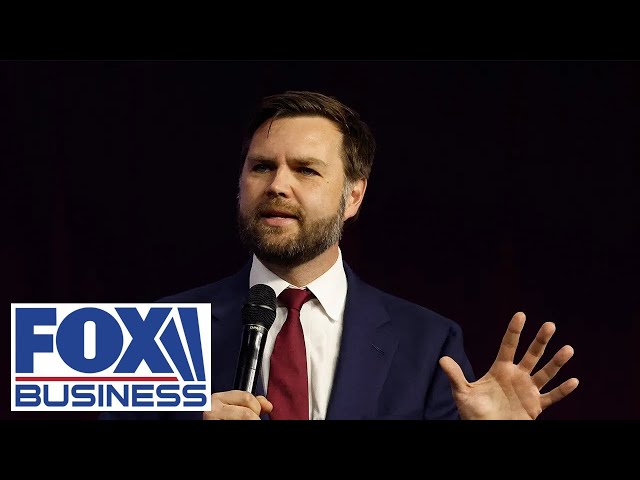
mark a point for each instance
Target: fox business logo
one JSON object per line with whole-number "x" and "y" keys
{"x": 111, "y": 357}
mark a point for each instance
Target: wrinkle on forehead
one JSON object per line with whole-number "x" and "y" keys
{"x": 275, "y": 119}
{"x": 301, "y": 136}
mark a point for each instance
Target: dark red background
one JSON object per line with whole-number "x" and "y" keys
{"x": 499, "y": 186}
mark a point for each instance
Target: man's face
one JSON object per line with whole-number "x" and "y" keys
{"x": 292, "y": 198}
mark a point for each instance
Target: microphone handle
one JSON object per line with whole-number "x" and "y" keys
{"x": 254, "y": 338}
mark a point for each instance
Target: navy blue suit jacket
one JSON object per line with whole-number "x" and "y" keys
{"x": 388, "y": 362}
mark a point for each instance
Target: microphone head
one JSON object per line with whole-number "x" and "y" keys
{"x": 260, "y": 306}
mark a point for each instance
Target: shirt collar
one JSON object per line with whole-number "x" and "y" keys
{"x": 330, "y": 288}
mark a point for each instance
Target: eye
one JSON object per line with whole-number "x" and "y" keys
{"x": 260, "y": 168}
{"x": 307, "y": 171}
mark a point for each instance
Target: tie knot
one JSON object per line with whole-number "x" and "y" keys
{"x": 294, "y": 298}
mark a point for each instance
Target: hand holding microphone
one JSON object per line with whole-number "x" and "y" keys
{"x": 258, "y": 314}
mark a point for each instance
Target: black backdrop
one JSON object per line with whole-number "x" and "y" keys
{"x": 498, "y": 186}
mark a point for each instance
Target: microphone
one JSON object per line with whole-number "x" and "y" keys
{"x": 258, "y": 314}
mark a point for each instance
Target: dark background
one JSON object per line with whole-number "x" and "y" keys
{"x": 498, "y": 186}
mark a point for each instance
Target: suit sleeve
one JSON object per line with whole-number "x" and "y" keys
{"x": 440, "y": 404}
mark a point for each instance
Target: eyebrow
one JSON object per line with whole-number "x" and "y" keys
{"x": 299, "y": 160}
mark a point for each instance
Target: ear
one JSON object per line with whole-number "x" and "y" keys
{"x": 354, "y": 198}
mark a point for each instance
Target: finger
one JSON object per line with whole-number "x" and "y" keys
{"x": 454, "y": 372}
{"x": 223, "y": 411}
{"x": 511, "y": 337}
{"x": 536, "y": 349}
{"x": 546, "y": 373}
{"x": 558, "y": 393}
{"x": 266, "y": 405}
{"x": 239, "y": 398}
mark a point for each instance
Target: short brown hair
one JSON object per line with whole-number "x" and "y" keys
{"x": 358, "y": 143}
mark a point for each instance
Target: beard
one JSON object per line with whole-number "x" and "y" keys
{"x": 270, "y": 244}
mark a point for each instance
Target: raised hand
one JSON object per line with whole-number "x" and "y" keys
{"x": 509, "y": 391}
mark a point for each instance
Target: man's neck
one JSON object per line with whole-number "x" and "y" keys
{"x": 306, "y": 273}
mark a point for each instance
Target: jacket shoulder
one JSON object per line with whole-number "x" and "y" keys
{"x": 404, "y": 310}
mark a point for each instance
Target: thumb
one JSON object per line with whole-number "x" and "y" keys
{"x": 265, "y": 404}
{"x": 454, "y": 372}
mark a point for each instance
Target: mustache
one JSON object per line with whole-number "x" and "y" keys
{"x": 279, "y": 205}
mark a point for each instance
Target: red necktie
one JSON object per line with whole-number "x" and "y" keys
{"x": 288, "y": 389}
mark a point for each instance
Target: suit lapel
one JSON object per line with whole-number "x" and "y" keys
{"x": 366, "y": 349}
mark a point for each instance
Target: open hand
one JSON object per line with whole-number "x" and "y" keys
{"x": 509, "y": 391}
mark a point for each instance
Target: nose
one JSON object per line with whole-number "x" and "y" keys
{"x": 280, "y": 184}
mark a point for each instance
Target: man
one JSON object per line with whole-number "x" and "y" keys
{"x": 365, "y": 354}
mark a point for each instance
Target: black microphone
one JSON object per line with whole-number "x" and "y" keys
{"x": 258, "y": 314}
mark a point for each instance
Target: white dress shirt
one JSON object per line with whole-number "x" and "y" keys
{"x": 321, "y": 319}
